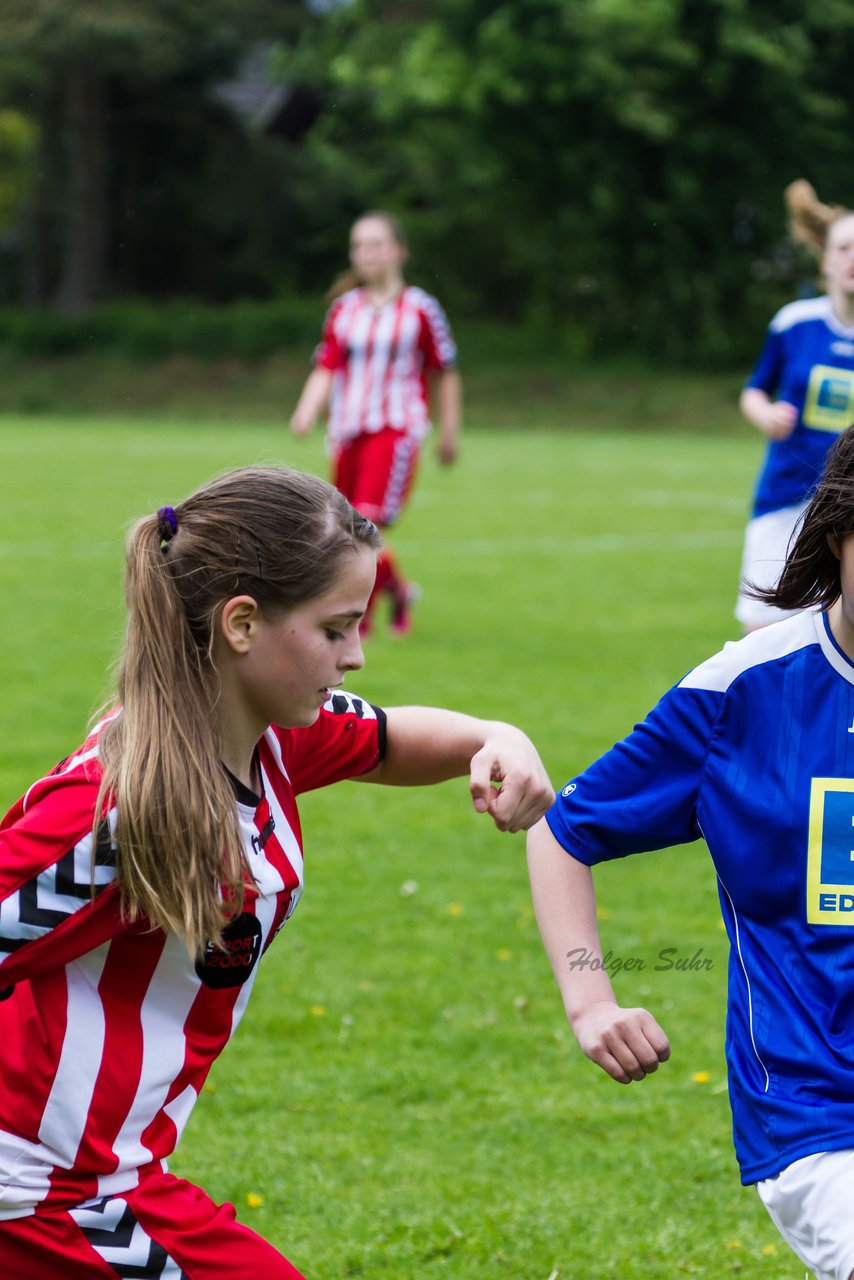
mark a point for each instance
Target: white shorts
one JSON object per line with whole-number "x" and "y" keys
{"x": 812, "y": 1205}
{"x": 766, "y": 542}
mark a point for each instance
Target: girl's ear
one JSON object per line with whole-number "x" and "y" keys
{"x": 238, "y": 623}
{"x": 833, "y": 543}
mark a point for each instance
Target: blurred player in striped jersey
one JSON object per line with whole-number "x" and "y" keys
{"x": 383, "y": 342}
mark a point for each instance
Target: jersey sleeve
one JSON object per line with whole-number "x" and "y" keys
{"x": 643, "y": 793}
{"x": 768, "y": 370}
{"x": 346, "y": 739}
{"x": 330, "y": 353}
{"x": 438, "y": 348}
{"x": 55, "y": 905}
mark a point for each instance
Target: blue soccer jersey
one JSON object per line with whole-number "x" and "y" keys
{"x": 807, "y": 360}
{"x": 754, "y": 751}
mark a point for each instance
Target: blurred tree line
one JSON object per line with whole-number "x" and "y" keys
{"x": 603, "y": 170}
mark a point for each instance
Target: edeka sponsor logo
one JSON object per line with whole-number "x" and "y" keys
{"x": 841, "y": 902}
{"x": 830, "y": 852}
{"x": 232, "y": 964}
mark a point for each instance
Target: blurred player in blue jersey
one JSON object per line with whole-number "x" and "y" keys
{"x": 800, "y": 395}
{"x": 754, "y": 752}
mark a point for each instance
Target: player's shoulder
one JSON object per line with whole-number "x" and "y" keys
{"x": 76, "y": 779}
{"x": 346, "y": 302}
{"x": 803, "y": 311}
{"x": 756, "y": 652}
{"x": 347, "y": 738}
{"x": 342, "y": 703}
{"x": 417, "y": 297}
{"x": 336, "y": 716}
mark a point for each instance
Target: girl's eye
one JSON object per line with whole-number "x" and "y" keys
{"x": 334, "y": 635}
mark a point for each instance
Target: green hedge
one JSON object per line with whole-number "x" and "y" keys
{"x": 143, "y": 330}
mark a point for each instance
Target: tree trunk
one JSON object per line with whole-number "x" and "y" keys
{"x": 85, "y": 248}
{"x": 41, "y": 223}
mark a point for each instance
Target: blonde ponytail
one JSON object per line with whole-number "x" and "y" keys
{"x": 809, "y": 219}
{"x": 177, "y": 833}
{"x": 276, "y": 535}
{"x": 343, "y": 283}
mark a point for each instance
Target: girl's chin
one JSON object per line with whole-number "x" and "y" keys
{"x": 300, "y": 719}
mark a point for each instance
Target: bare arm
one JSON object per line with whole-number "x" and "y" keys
{"x": 775, "y": 418}
{"x": 626, "y": 1043}
{"x": 450, "y": 401}
{"x": 506, "y": 776}
{"x": 314, "y": 395}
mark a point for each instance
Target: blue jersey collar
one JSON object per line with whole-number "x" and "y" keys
{"x": 835, "y": 656}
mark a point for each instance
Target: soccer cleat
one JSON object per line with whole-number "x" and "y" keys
{"x": 402, "y": 602}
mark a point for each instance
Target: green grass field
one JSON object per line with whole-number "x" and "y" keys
{"x": 403, "y": 1098}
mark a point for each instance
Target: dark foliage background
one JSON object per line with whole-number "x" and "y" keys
{"x": 607, "y": 174}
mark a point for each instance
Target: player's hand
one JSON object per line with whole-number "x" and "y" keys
{"x": 508, "y": 780}
{"x": 446, "y": 452}
{"x": 778, "y": 422}
{"x": 628, "y": 1044}
{"x": 301, "y": 423}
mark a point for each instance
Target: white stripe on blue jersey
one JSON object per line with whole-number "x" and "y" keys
{"x": 805, "y": 309}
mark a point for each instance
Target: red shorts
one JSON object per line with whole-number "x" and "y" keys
{"x": 164, "y": 1229}
{"x": 375, "y": 472}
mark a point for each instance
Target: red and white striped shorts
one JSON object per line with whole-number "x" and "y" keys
{"x": 164, "y": 1229}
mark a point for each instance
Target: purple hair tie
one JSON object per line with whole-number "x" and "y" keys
{"x": 167, "y": 526}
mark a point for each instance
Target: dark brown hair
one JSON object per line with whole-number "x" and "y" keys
{"x": 276, "y": 535}
{"x": 811, "y": 573}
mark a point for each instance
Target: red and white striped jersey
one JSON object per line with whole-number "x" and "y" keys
{"x": 108, "y": 1031}
{"x": 380, "y": 358}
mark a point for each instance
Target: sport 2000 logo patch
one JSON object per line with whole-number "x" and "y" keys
{"x": 232, "y": 966}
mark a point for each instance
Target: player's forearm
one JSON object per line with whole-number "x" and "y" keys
{"x": 507, "y": 779}
{"x": 756, "y": 406}
{"x": 314, "y": 395}
{"x": 753, "y": 404}
{"x": 426, "y": 745}
{"x": 565, "y": 906}
{"x": 450, "y": 401}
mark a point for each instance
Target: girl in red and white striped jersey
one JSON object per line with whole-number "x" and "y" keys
{"x": 382, "y": 340}
{"x": 144, "y": 878}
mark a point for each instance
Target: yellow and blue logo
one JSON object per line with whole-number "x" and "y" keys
{"x": 830, "y": 852}
{"x": 830, "y": 398}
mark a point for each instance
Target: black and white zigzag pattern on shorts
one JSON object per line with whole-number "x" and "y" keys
{"x": 57, "y": 892}
{"x": 114, "y": 1233}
